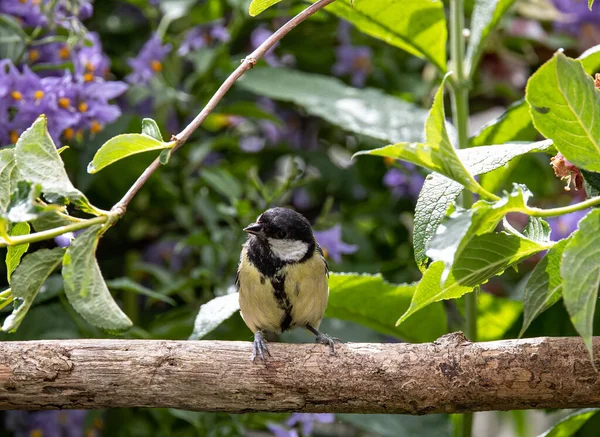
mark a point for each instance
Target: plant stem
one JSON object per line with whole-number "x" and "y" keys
{"x": 538, "y": 212}
{"x": 461, "y": 121}
{"x": 51, "y": 233}
{"x": 247, "y": 64}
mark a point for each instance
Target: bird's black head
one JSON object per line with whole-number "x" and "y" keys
{"x": 281, "y": 224}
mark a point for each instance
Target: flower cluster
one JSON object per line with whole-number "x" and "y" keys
{"x": 73, "y": 101}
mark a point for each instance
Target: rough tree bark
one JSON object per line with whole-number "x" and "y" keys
{"x": 448, "y": 376}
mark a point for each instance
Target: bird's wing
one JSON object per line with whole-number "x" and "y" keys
{"x": 324, "y": 260}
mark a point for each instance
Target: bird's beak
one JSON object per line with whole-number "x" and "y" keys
{"x": 254, "y": 228}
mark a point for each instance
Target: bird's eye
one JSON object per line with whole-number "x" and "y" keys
{"x": 281, "y": 234}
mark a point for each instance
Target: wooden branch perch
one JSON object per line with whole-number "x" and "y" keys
{"x": 448, "y": 376}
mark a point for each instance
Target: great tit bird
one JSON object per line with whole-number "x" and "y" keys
{"x": 282, "y": 278}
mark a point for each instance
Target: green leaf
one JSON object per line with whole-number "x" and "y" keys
{"x": 14, "y": 253}
{"x": 580, "y": 271}
{"x": 258, "y": 6}
{"x": 569, "y": 425}
{"x": 481, "y": 258}
{"x": 437, "y": 154}
{"x": 27, "y": 280}
{"x": 223, "y": 182}
{"x": 53, "y": 219}
{"x": 486, "y": 15}
{"x": 85, "y": 287}
{"x": 150, "y": 128}
{"x": 439, "y": 192}
{"x": 416, "y": 26}
{"x": 127, "y": 284}
{"x": 564, "y": 104}
{"x": 39, "y": 162}
{"x": 514, "y": 125}
{"x": 12, "y": 38}
{"x": 495, "y": 316}
{"x": 164, "y": 156}
{"x": 543, "y": 288}
{"x": 9, "y": 176}
{"x": 123, "y": 146}
{"x": 213, "y": 313}
{"x": 375, "y": 303}
{"x": 362, "y": 111}
{"x": 24, "y": 205}
{"x": 590, "y": 4}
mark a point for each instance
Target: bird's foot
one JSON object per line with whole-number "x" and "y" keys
{"x": 259, "y": 348}
{"x": 328, "y": 340}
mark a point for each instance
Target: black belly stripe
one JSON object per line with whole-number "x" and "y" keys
{"x": 283, "y": 302}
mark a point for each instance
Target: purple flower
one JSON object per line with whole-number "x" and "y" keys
{"x": 307, "y": 420}
{"x": 564, "y": 225}
{"x": 148, "y": 62}
{"x": 403, "y": 184}
{"x": 353, "y": 61}
{"x": 70, "y": 104}
{"x": 91, "y": 61}
{"x": 332, "y": 244}
{"x": 252, "y": 143}
{"x": 577, "y": 14}
{"x": 203, "y": 36}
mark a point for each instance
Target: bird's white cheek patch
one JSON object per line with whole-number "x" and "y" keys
{"x": 288, "y": 250}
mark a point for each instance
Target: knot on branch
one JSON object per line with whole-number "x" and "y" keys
{"x": 452, "y": 339}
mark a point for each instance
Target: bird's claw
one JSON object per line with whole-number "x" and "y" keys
{"x": 328, "y": 340}
{"x": 259, "y": 347}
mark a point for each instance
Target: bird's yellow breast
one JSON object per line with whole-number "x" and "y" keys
{"x": 305, "y": 295}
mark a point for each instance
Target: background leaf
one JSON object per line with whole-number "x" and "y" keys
{"x": 564, "y": 104}
{"x": 437, "y": 154}
{"x": 417, "y": 26}
{"x": 121, "y": 147}
{"x": 580, "y": 270}
{"x": 85, "y": 287}
{"x": 486, "y": 15}
{"x": 398, "y": 425}
{"x": 12, "y": 38}
{"x": 27, "y": 280}
{"x": 14, "y": 253}
{"x": 129, "y": 285}
{"x": 213, "y": 313}
{"x": 374, "y": 302}
{"x": 363, "y": 111}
